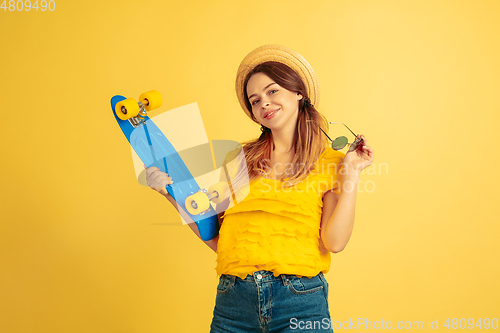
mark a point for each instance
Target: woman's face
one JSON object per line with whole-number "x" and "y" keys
{"x": 272, "y": 105}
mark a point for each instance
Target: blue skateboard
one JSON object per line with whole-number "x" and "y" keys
{"x": 154, "y": 149}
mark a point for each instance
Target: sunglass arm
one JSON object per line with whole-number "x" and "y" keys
{"x": 334, "y": 122}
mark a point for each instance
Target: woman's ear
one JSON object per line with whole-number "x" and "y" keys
{"x": 299, "y": 96}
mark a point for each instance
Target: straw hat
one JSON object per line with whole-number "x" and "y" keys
{"x": 283, "y": 55}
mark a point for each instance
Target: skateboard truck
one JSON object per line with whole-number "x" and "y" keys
{"x": 136, "y": 112}
{"x": 140, "y": 118}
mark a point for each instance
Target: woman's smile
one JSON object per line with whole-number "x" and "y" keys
{"x": 271, "y": 113}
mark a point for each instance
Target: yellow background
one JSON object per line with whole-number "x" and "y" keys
{"x": 82, "y": 244}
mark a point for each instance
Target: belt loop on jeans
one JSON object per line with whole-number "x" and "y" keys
{"x": 232, "y": 278}
{"x": 284, "y": 279}
{"x": 322, "y": 277}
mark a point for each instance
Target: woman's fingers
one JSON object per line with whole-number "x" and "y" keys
{"x": 159, "y": 178}
{"x": 364, "y": 142}
{"x": 156, "y": 178}
{"x": 369, "y": 150}
{"x": 364, "y": 150}
{"x": 368, "y": 153}
{"x": 149, "y": 171}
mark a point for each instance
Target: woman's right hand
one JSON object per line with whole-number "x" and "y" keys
{"x": 158, "y": 180}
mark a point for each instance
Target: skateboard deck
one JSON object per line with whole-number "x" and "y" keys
{"x": 155, "y": 150}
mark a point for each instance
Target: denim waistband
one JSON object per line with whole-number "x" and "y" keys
{"x": 267, "y": 276}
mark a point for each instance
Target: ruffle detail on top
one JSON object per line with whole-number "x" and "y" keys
{"x": 278, "y": 229}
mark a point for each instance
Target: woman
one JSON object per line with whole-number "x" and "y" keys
{"x": 274, "y": 245}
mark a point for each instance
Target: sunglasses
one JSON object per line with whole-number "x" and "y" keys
{"x": 341, "y": 141}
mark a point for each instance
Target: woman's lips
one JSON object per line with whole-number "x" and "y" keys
{"x": 272, "y": 113}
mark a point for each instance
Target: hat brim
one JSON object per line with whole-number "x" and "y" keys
{"x": 283, "y": 55}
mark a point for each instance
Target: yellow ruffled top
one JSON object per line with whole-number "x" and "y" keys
{"x": 278, "y": 229}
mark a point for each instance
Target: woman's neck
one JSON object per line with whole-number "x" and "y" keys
{"x": 283, "y": 139}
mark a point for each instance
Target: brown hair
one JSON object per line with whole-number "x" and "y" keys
{"x": 308, "y": 141}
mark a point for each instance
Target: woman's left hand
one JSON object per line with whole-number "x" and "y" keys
{"x": 359, "y": 159}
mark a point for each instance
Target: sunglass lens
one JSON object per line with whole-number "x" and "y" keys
{"x": 339, "y": 143}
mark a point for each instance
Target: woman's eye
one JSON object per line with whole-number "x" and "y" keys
{"x": 273, "y": 91}
{"x": 255, "y": 101}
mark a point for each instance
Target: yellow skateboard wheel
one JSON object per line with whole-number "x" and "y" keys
{"x": 220, "y": 189}
{"x": 197, "y": 203}
{"x": 151, "y": 100}
{"x": 127, "y": 109}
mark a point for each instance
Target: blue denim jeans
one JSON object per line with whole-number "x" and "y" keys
{"x": 264, "y": 303}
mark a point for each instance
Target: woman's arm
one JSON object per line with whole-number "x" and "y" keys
{"x": 337, "y": 221}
